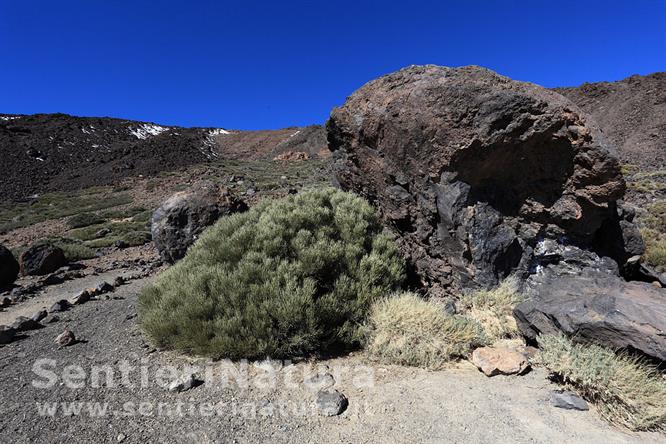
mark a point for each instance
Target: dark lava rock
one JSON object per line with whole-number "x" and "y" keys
{"x": 180, "y": 220}
{"x": 42, "y": 259}
{"x": 568, "y": 401}
{"x": 103, "y": 287}
{"x": 584, "y": 297}
{"x": 53, "y": 279}
{"x": 120, "y": 244}
{"x": 331, "y": 402}
{"x": 9, "y": 267}
{"x": 62, "y": 305}
{"x": 471, "y": 169}
{"x": 39, "y": 316}
{"x": 24, "y": 324}
{"x": 75, "y": 266}
{"x": 7, "y": 334}
{"x": 81, "y": 298}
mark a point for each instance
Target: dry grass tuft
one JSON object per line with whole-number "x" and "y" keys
{"x": 405, "y": 329}
{"x": 493, "y": 309}
{"x": 626, "y": 390}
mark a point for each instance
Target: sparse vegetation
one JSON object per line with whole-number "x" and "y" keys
{"x": 57, "y": 205}
{"x": 626, "y": 390}
{"x": 407, "y": 330}
{"x": 654, "y": 235}
{"x": 84, "y": 220}
{"x": 493, "y": 309}
{"x": 647, "y": 182}
{"x": 289, "y": 277}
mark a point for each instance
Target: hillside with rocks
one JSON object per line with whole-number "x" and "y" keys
{"x": 58, "y": 152}
{"x": 491, "y": 255}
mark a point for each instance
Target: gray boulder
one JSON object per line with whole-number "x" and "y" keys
{"x": 9, "y": 267}
{"x": 331, "y": 402}
{"x": 471, "y": 169}
{"x": 583, "y": 297}
{"x": 182, "y": 217}
{"x": 568, "y": 401}
{"x": 42, "y": 259}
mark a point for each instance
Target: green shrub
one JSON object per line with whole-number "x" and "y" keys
{"x": 289, "y": 277}
{"x": 84, "y": 220}
{"x": 626, "y": 390}
{"x": 493, "y": 309}
{"x": 407, "y": 330}
{"x": 655, "y": 248}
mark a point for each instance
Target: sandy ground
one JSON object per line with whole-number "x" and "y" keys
{"x": 386, "y": 404}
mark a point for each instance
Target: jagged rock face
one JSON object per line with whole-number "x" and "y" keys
{"x": 581, "y": 295}
{"x": 472, "y": 169}
{"x": 178, "y": 222}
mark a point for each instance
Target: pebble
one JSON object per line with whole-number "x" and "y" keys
{"x": 186, "y": 382}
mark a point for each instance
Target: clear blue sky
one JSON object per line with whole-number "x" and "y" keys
{"x": 248, "y": 64}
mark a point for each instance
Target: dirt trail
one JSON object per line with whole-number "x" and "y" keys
{"x": 389, "y": 404}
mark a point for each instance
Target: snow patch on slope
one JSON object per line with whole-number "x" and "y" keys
{"x": 208, "y": 148}
{"x": 147, "y": 130}
{"x": 6, "y": 118}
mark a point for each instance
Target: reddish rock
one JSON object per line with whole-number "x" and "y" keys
{"x": 470, "y": 169}
{"x": 494, "y": 361}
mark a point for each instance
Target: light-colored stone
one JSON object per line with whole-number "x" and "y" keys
{"x": 499, "y": 361}
{"x": 186, "y": 382}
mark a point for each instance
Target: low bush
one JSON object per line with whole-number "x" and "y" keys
{"x": 493, "y": 309}
{"x": 626, "y": 390}
{"x": 655, "y": 248}
{"x": 84, "y": 220}
{"x": 289, "y": 277}
{"x": 407, "y": 330}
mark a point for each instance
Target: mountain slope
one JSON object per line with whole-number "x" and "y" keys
{"x": 631, "y": 113}
{"x": 54, "y": 152}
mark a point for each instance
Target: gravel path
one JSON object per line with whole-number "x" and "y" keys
{"x": 386, "y": 404}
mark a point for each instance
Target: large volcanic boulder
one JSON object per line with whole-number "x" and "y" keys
{"x": 583, "y": 296}
{"x": 41, "y": 259}
{"x": 9, "y": 267}
{"x": 182, "y": 217}
{"x": 471, "y": 169}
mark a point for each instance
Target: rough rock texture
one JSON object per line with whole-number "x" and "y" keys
{"x": 583, "y": 296}
{"x": 41, "y": 259}
{"x": 9, "y": 267}
{"x": 180, "y": 220}
{"x": 494, "y": 361}
{"x": 471, "y": 169}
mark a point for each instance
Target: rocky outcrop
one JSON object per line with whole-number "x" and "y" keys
{"x": 583, "y": 296}
{"x": 9, "y": 267}
{"x": 180, "y": 220}
{"x": 41, "y": 259}
{"x": 471, "y": 170}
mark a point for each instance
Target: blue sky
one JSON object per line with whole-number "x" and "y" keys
{"x": 250, "y": 65}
